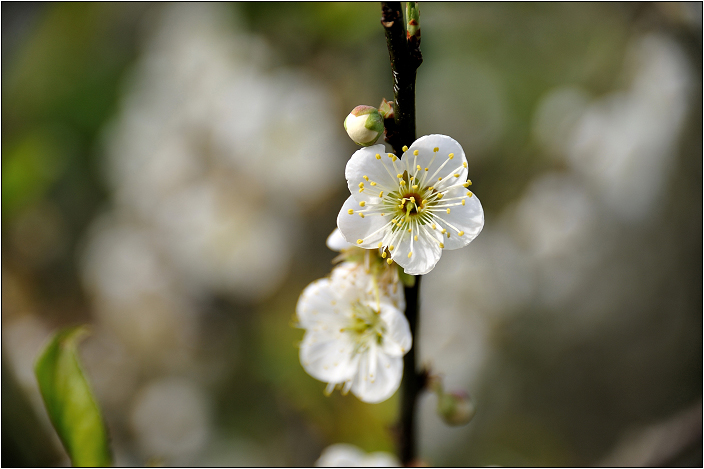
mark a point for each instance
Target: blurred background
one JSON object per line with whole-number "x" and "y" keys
{"x": 170, "y": 173}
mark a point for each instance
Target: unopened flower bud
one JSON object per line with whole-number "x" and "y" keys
{"x": 456, "y": 408}
{"x": 364, "y": 125}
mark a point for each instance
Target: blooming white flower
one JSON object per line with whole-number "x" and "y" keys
{"x": 356, "y": 334}
{"x": 413, "y": 207}
{"x": 345, "y": 455}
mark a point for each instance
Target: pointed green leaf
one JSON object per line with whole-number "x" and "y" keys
{"x": 69, "y": 400}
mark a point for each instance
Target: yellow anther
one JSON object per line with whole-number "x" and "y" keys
{"x": 426, "y": 169}
{"x": 415, "y": 152}
{"x": 400, "y": 176}
{"x": 362, "y": 203}
{"x": 431, "y": 188}
{"x": 383, "y": 255}
{"x": 381, "y": 194}
{"x": 394, "y": 158}
{"x": 463, "y": 201}
{"x": 456, "y": 175}
{"x": 365, "y": 178}
{"x": 439, "y": 179}
{"x": 469, "y": 181}
{"x": 409, "y": 230}
{"x": 361, "y": 214}
{"x": 451, "y": 155}
{"x": 361, "y": 185}
{"x": 417, "y": 166}
{"x": 448, "y": 234}
{"x": 379, "y": 245}
{"x": 422, "y": 202}
{"x": 415, "y": 238}
{"x": 391, "y": 155}
{"x": 403, "y": 183}
{"x": 436, "y": 149}
{"x": 382, "y": 214}
{"x": 434, "y": 226}
{"x": 412, "y": 178}
{"x": 440, "y": 195}
{"x": 442, "y": 245}
{"x": 361, "y": 190}
{"x": 378, "y": 156}
{"x": 415, "y": 186}
{"x": 461, "y": 233}
{"x": 404, "y": 148}
{"x": 410, "y": 254}
{"x": 373, "y": 183}
{"x": 443, "y": 231}
{"x": 464, "y": 163}
{"x": 448, "y": 210}
{"x": 389, "y": 261}
{"x": 350, "y": 211}
{"x": 467, "y": 184}
{"x": 391, "y": 248}
{"x": 359, "y": 241}
{"x": 469, "y": 193}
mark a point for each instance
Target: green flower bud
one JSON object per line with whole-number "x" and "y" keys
{"x": 364, "y": 125}
{"x": 386, "y": 109}
{"x": 456, "y": 408}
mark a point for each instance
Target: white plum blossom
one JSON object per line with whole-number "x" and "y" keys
{"x": 346, "y": 455}
{"x": 411, "y": 208}
{"x": 356, "y": 334}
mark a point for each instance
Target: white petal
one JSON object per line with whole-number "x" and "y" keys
{"x": 353, "y": 227}
{"x": 380, "y": 171}
{"x": 340, "y": 455}
{"x": 337, "y": 242}
{"x": 397, "y": 341}
{"x": 426, "y": 252}
{"x": 317, "y": 304}
{"x": 468, "y": 218}
{"x": 327, "y": 356}
{"x": 438, "y": 163}
{"x": 385, "y": 381}
{"x": 380, "y": 459}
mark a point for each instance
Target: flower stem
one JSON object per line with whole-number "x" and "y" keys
{"x": 405, "y": 58}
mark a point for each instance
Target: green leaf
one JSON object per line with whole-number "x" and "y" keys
{"x": 407, "y": 280}
{"x": 69, "y": 400}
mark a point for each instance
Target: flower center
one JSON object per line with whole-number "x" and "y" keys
{"x": 365, "y": 325}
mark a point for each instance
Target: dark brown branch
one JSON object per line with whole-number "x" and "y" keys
{"x": 405, "y": 58}
{"x": 403, "y": 70}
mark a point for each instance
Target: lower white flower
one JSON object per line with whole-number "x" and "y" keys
{"x": 356, "y": 335}
{"x": 345, "y": 455}
{"x": 412, "y": 208}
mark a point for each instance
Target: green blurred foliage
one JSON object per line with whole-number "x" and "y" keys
{"x": 70, "y": 402}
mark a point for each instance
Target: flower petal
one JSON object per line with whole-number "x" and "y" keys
{"x": 397, "y": 340}
{"x": 340, "y": 455}
{"x": 468, "y": 218}
{"x": 365, "y": 163}
{"x": 353, "y": 227}
{"x": 328, "y": 356}
{"x": 379, "y": 376}
{"x": 336, "y": 242}
{"x": 426, "y": 251}
{"x": 438, "y": 163}
{"x": 317, "y": 305}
